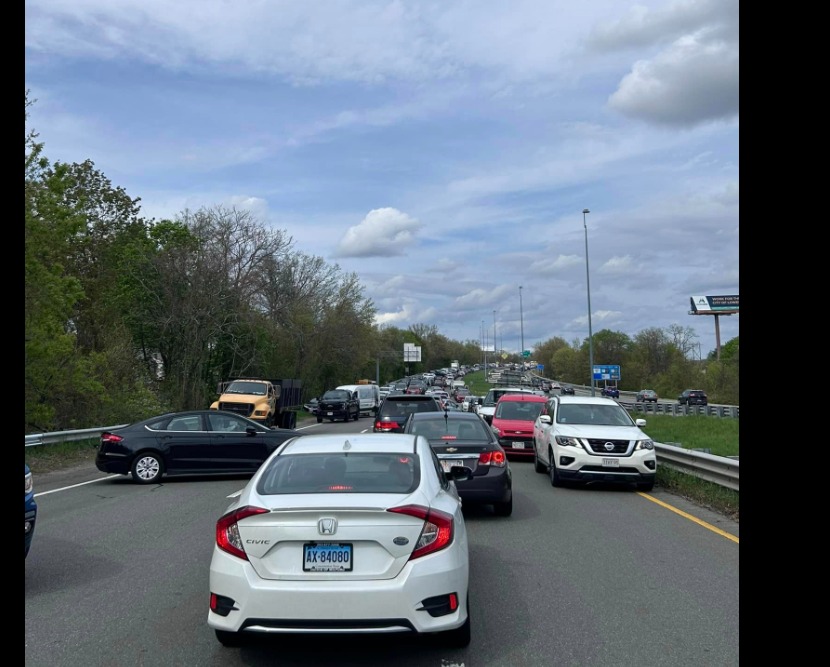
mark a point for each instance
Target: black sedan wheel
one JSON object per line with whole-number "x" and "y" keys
{"x": 504, "y": 509}
{"x": 147, "y": 468}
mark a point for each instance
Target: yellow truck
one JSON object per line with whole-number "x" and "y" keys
{"x": 272, "y": 402}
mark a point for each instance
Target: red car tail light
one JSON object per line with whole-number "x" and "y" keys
{"x": 386, "y": 426}
{"x": 437, "y": 532}
{"x": 492, "y": 459}
{"x": 110, "y": 439}
{"x": 227, "y": 530}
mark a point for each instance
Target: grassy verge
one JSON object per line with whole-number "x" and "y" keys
{"x": 48, "y": 458}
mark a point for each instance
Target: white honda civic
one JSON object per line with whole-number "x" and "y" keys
{"x": 352, "y": 533}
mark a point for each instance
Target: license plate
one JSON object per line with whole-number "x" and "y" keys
{"x": 446, "y": 464}
{"x": 610, "y": 463}
{"x": 329, "y": 414}
{"x": 517, "y": 444}
{"x": 327, "y": 557}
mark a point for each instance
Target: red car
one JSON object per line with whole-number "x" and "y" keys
{"x": 513, "y": 422}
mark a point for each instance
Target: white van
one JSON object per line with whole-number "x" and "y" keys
{"x": 369, "y": 396}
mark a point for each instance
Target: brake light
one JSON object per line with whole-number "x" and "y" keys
{"x": 386, "y": 426}
{"x": 492, "y": 459}
{"x": 438, "y": 530}
{"x": 110, "y": 439}
{"x": 227, "y": 530}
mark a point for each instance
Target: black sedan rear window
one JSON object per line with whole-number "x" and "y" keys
{"x": 340, "y": 473}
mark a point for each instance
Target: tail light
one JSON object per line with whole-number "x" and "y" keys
{"x": 227, "y": 530}
{"x": 497, "y": 459}
{"x": 110, "y": 438}
{"x": 437, "y": 532}
{"x": 386, "y": 425}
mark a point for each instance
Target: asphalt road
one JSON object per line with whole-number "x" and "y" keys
{"x": 118, "y": 576}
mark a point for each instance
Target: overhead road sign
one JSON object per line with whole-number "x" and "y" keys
{"x": 606, "y": 372}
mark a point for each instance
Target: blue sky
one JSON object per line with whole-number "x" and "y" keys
{"x": 442, "y": 151}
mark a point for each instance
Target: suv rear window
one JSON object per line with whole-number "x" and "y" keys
{"x": 401, "y": 406}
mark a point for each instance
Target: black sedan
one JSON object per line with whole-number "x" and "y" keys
{"x": 566, "y": 390}
{"x": 198, "y": 442}
{"x": 464, "y": 439}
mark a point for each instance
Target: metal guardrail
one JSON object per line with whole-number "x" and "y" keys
{"x": 56, "y": 437}
{"x": 720, "y": 470}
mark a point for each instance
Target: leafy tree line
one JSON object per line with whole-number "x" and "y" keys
{"x": 126, "y": 316}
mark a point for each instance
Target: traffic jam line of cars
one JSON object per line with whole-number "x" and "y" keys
{"x": 364, "y": 532}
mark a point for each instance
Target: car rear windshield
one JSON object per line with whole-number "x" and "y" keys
{"x": 451, "y": 429}
{"x": 518, "y": 410}
{"x": 340, "y": 473}
{"x": 400, "y": 409}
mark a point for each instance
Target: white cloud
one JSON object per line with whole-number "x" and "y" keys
{"x": 384, "y": 232}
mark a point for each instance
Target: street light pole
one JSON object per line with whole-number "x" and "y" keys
{"x": 521, "y": 323}
{"x": 585, "y": 211}
{"x": 494, "y": 332}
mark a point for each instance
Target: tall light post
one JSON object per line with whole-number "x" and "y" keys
{"x": 521, "y": 323}
{"x": 494, "y": 334}
{"x": 585, "y": 211}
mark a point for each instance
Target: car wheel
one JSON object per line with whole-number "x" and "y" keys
{"x": 147, "y": 468}
{"x": 537, "y": 464}
{"x": 319, "y": 420}
{"x": 645, "y": 486}
{"x": 504, "y": 509}
{"x": 230, "y": 639}
{"x": 460, "y": 637}
{"x": 357, "y": 415}
{"x": 555, "y": 479}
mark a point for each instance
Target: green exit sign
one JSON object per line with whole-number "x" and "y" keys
{"x": 526, "y": 353}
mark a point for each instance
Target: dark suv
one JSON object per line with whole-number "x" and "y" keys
{"x": 610, "y": 392}
{"x": 693, "y": 397}
{"x": 338, "y": 404}
{"x": 394, "y": 410}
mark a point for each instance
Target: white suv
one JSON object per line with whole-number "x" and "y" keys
{"x": 592, "y": 439}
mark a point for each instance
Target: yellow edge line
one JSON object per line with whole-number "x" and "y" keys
{"x": 714, "y": 529}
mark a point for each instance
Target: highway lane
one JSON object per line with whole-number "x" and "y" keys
{"x": 118, "y": 575}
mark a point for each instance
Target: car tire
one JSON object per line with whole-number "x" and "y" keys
{"x": 229, "y": 639}
{"x": 504, "y": 509}
{"x": 555, "y": 479}
{"x": 147, "y": 468}
{"x": 357, "y": 415}
{"x": 319, "y": 420}
{"x": 460, "y": 637}
{"x": 537, "y": 464}
{"x": 645, "y": 486}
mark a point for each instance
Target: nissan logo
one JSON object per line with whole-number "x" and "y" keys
{"x": 609, "y": 446}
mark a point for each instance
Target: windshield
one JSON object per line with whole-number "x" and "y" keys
{"x": 341, "y": 473}
{"x": 518, "y": 410}
{"x": 255, "y": 388}
{"x": 336, "y": 395}
{"x": 599, "y": 415}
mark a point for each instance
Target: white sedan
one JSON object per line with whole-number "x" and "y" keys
{"x": 344, "y": 533}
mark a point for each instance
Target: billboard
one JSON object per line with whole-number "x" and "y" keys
{"x": 714, "y": 305}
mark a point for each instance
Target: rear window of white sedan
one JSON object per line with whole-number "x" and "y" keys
{"x": 340, "y": 473}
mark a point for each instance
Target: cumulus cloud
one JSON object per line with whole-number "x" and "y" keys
{"x": 383, "y": 232}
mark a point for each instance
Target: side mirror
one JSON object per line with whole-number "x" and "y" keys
{"x": 544, "y": 419}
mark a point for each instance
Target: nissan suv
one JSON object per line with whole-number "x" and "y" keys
{"x": 590, "y": 439}
{"x": 395, "y": 408}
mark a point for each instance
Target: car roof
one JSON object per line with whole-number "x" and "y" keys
{"x": 409, "y": 397}
{"x": 335, "y": 443}
{"x": 530, "y": 397}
